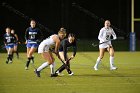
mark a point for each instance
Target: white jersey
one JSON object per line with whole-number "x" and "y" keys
{"x": 46, "y": 44}
{"x": 105, "y": 35}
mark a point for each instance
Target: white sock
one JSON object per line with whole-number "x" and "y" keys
{"x": 52, "y": 67}
{"x": 97, "y": 62}
{"x": 42, "y": 66}
{"x": 111, "y": 61}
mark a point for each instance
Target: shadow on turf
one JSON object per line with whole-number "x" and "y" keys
{"x": 106, "y": 75}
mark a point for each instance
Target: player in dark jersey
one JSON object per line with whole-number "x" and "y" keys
{"x": 15, "y": 43}
{"x": 32, "y": 35}
{"x": 65, "y": 44}
{"x": 9, "y": 40}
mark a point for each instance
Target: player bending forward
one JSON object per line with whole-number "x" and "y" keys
{"x": 65, "y": 44}
{"x": 105, "y": 35}
{"x": 44, "y": 49}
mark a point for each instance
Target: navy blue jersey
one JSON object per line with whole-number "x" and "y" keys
{"x": 65, "y": 45}
{"x": 9, "y": 39}
{"x": 33, "y": 35}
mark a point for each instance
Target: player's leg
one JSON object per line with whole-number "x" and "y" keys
{"x": 33, "y": 49}
{"x": 59, "y": 70}
{"x": 101, "y": 55}
{"x": 49, "y": 60}
{"x": 10, "y": 56}
{"x": 111, "y": 52}
{"x": 52, "y": 65}
{"x": 16, "y": 50}
{"x": 30, "y": 57}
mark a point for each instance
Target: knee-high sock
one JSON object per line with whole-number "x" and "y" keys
{"x": 111, "y": 61}
{"x": 8, "y": 57}
{"x": 28, "y": 62}
{"x": 52, "y": 67}
{"x": 45, "y": 64}
{"x": 97, "y": 62}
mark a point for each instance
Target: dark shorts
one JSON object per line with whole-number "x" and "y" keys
{"x": 61, "y": 50}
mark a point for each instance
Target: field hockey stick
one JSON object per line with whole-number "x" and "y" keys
{"x": 33, "y": 65}
{"x": 66, "y": 66}
{"x": 94, "y": 45}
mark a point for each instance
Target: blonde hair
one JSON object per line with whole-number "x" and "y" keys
{"x": 62, "y": 31}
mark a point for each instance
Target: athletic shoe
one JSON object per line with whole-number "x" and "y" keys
{"x": 59, "y": 74}
{"x": 6, "y": 62}
{"x": 54, "y": 75}
{"x": 95, "y": 68}
{"x": 113, "y": 68}
{"x": 26, "y": 68}
{"x": 37, "y": 73}
{"x": 71, "y": 74}
{"x": 10, "y": 61}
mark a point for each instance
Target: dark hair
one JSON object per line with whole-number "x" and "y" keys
{"x": 32, "y": 20}
{"x": 71, "y": 35}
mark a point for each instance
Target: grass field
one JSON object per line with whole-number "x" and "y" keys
{"x": 15, "y": 79}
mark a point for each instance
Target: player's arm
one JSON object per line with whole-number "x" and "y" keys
{"x": 64, "y": 44}
{"x": 14, "y": 38}
{"x": 100, "y": 36}
{"x": 74, "y": 49}
{"x": 40, "y": 36}
{"x": 114, "y": 35}
{"x": 26, "y": 35}
{"x": 57, "y": 43}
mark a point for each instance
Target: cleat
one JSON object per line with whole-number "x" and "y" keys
{"x": 54, "y": 75}
{"x": 10, "y": 62}
{"x": 6, "y": 62}
{"x": 37, "y": 73}
{"x": 71, "y": 74}
{"x": 59, "y": 74}
{"x": 26, "y": 68}
{"x": 113, "y": 68}
{"x": 95, "y": 68}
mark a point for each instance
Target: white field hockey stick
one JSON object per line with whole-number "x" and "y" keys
{"x": 94, "y": 45}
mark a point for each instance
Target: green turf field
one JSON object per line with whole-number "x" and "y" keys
{"x": 15, "y": 79}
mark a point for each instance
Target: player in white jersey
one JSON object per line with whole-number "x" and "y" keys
{"x": 105, "y": 35}
{"x": 44, "y": 49}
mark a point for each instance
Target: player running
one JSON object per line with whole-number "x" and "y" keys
{"x": 9, "y": 40}
{"x": 32, "y": 35}
{"x": 52, "y": 42}
{"x": 105, "y": 35}
{"x": 15, "y": 43}
{"x": 65, "y": 44}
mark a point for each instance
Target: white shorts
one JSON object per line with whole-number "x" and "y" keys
{"x": 43, "y": 48}
{"x": 105, "y": 45}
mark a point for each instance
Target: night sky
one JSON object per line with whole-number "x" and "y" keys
{"x": 53, "y": 14}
